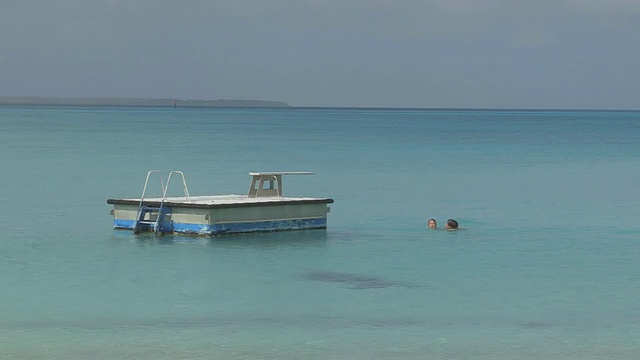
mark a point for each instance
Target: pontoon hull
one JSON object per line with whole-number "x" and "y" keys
{"x": 213, "y": 219}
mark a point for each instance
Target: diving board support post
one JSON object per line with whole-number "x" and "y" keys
{"x": 269, "y": 184}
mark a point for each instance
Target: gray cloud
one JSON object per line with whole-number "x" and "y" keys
{"x": 442, "y": 53}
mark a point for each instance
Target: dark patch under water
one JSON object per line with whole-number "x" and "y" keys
{"x": 355, "y": 281}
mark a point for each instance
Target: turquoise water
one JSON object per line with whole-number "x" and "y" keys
{"x": 547, "y": 266}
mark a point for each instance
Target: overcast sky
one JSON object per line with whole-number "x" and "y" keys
{"x": 378, "y": 53}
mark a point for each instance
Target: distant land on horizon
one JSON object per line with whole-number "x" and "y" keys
{"x": 237, "y": 103}
{"x": 35, "y": 100}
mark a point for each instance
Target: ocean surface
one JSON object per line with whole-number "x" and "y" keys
{"x": 547, "y": 266}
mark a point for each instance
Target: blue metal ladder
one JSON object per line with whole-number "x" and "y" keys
{"x": 159, "y": 226}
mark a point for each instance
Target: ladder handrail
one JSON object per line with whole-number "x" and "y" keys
{"x": 156, "y": 225}
{"x": 184, "y": 186}
{"x": 164, "y": 188}
{"x": 144, "y": 190}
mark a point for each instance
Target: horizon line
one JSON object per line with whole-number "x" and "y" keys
{"x": 274, "y": 104}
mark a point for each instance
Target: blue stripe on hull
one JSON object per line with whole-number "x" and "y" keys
{"x": 236, "y": 228}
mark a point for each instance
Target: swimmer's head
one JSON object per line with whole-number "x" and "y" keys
{"x": 431, "y": 223}
{"x": 451, "y": 224}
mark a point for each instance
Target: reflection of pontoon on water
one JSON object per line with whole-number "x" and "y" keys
{"x": 264, "y": 208}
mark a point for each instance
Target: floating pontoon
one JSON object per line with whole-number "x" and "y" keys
{"x": 263, "y": 208}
